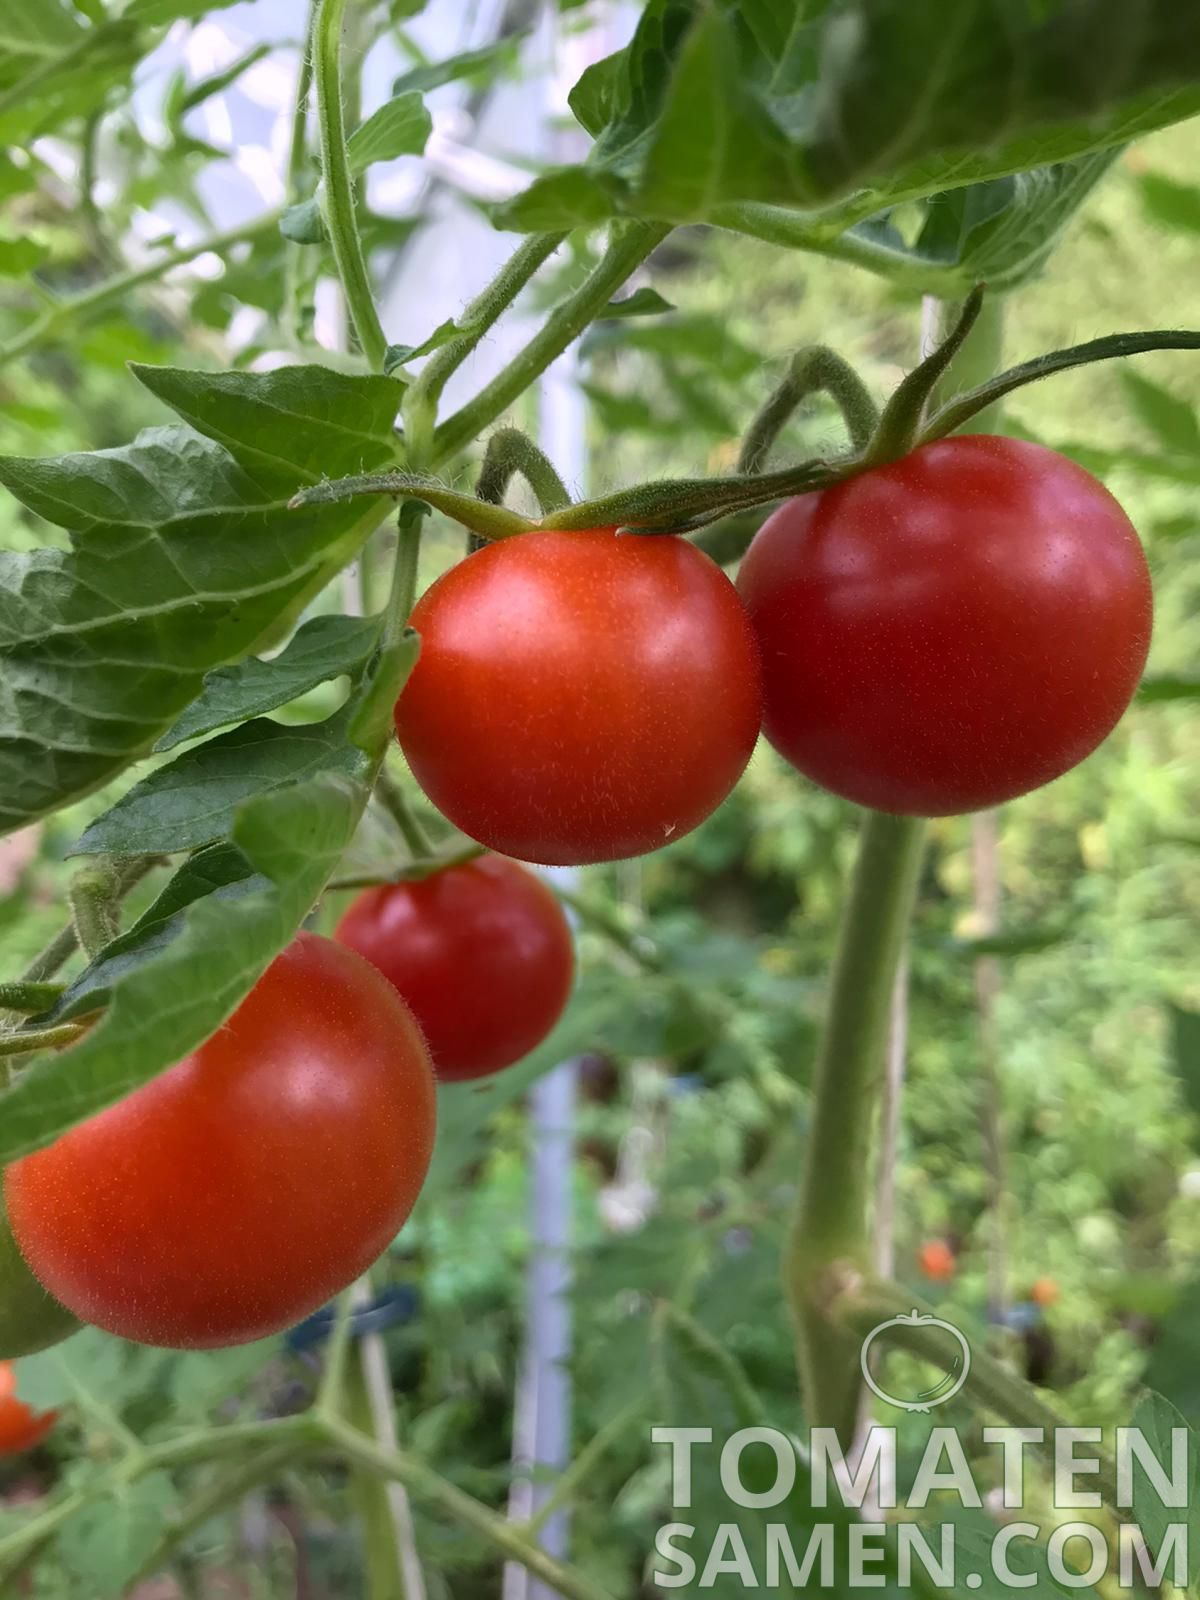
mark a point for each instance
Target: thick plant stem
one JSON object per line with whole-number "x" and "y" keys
{"x": 629, "y": 246}
{"x": 338, "y": 184}
{"x": 829, "y": 1224}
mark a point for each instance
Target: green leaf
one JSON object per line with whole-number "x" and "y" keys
{"x": 303, "y": 223}
{"x": 1158, "y": 1422}
{"x": 1014, "y": 942}
{"x": 191, "y": 974}
{"x": 397, "y": 354}
{"x": 489, "y": 60}
{"x": 20, "y": 256}
{"x": 159, "y": 13}
{"x": 194, "y": 799}
{"x": 218, "y": 82}
{"x": 324, "y": 648}
{"x": 54, "y": 70}
{"x": 644, "y": 302}
{"x": 1171, "y": 202}
{"x": 184, "y": 557}
{"x": 716, "y": 106}
{"x": 1169, "y": 686}
{"x": 399, "y": 128}
{"x": 1171, "y": 420}
{"x": 106, "y": 1541}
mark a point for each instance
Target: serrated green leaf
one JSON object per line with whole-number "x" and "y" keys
{"x": 397, "y": 354}
{"x": 324, "y": 648}
{"x": 106, "y": 1541}
{"x": 184, "y": 556}
{"x": 467, "y": 64}
{"x": 399, "y": 128}
{"x": 193, "y": 800}
{"x": 717, "y": 106}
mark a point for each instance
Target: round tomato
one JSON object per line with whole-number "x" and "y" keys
{"x": 950, "y": 631}
{"x": 481, "y": 953}
{"x": 1045, "y": 1292}
{"x": 30, "y": 1318}
{"x": 20, "y": 1426}
{"x": 937, "y": 1260}
{"x": 238, "y": 1191}
{"x": 581, "y": 696}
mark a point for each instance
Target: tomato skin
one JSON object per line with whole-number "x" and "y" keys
{"x": 938, "y": 1261}
{"x": 20, "y": 1426}
{"x": 581, "y": 696}
{"x": 950, "y": 631}
{"x": 481, "y": 953}
{"x": 235, "y": 1193}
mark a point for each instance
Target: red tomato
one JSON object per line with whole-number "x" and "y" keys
{"x": 235, "y": 1193}
{"x": 950, "y": 631}
{"x": 1045, "y": 1292}
{"x": 481, "y": 953}
{"x": 937, "y": 1260}
{"x": 581, "y": 696}
{"x": 20, "y": 1427}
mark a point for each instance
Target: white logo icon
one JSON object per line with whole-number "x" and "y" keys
{"x": 949, "y": 1385}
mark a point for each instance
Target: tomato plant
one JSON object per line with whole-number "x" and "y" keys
{"x": 603, "y": 693}
{"x": 244, "y": 1187}
{"x": 951, "y": 630}
{"x": 487, "y": 923}
{"x": 20, "y": 1426}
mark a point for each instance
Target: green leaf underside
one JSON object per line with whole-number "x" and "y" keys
{"x": 398, "y": 128}
{"x": 324, "y": 648}
{"x": 859, "y": 107}
{"x": 193, "y": 800}
{"x": 184, "y": 555}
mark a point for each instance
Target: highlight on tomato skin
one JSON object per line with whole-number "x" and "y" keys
{"x": 240, "y": 1190}
{"x": 481, "y": 952}
{"x": 581, "y": 697}
{"x": 949, "y": 631}
{"x": 20, "y": 1426}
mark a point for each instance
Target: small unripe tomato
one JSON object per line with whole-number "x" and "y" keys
{"x": 581, "y": 696}
{"x": 937, "y": 1260}
{"x": 20, "y": 1426}
{"x": 481, "y": 953}
{"x": 241, "y": 1189}
{"x": 950, "y": 630}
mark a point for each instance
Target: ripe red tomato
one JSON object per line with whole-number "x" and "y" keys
{"x": 937, "y": 1260}
{"x": 481, "y": 953}
{"x": 238, "y": 1191}
{"x": 20, "y": 1426}
{"x": 581, "y": 696}
{"x": 1045, "y": 1292}
{"x": 949, "y": 631}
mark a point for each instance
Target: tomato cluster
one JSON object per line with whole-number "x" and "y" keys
{"x": 932, "y": 636}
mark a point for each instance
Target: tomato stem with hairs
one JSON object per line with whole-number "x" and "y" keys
{"x": 395, "y": 802}
{"x": 817, "y": 370}
{"x": 902, "y": 417}
{"x": 829, "y": 1223}
{"x": 511, "y": 452}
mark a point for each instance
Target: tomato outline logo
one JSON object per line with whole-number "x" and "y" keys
{"x": 951, "y": 1382}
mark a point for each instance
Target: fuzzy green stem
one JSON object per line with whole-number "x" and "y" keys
{"x": 29, "y": 998}
{"x": 62, "y": 947}
{"x": 338, "y": 184}
{"x": 509, "y": 452}
{"x": 297, "y": 170}
{"x": 31, "y": 1039}
{"x": 903, "y": 416}
{"x": 60, "y": 316}
{"x": 421, "y": 401}
{"x": 425, "y": 1484}
{"x": 829, "y": 1223}
{"x": 95, "y": 895}
{"x": 392, "y": 797}
{"x": 629, "y": 246}
{"x": 813, "y": 371}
